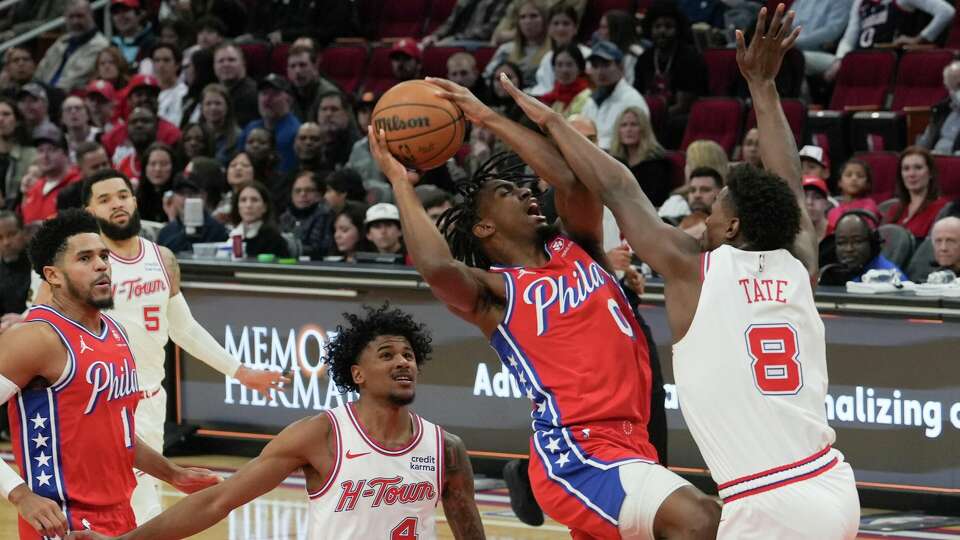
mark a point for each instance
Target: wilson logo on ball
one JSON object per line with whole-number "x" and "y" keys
{"x": 395, "y": 123}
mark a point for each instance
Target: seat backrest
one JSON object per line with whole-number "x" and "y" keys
{"x": 345, "y": 65}
{"x": 658, "y": 115}
{"x": 483, "y": 56}
{"x": 257, "y": 58}
{"x": 920, "y": 79}
{"x": 716, "y": 119}
{"x": 595, "y": 9}
{"x": 678, "y": 163}
{"x": 278, "y": 59}
{"x": 922, "y": 263}
{"x": 898, "y": 244}
{"x": 883, "y": 165}
{"x": 721, "y": 70}
{"x": 795, "y": 111}
{"x": 435, "y": 60}
{"x": 864, "y": 79}
{"x": 403, "y": 19}
{"x": 948, "y": 172}
{"x": 379, "y": 73}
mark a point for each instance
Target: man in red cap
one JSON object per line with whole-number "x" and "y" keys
{"x": 101, "y": 99}
{"x": 142, "y": 91}
{"x": 133, "y": 35}
{"x": 40, "y": 202}
{"x": 405, "y": 60}
{"x": 818, "y": 203}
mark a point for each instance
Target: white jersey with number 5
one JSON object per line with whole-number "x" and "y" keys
{"x": 141, "y": 293}
{"x": 379, "y": 493}
{"x": 751, "y": 373}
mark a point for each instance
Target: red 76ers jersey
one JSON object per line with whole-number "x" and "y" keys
{"x": 74, "y": 440}
{"x": 575, "y": 349}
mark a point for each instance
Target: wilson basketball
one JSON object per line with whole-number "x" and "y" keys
{"x": 422, "y": 130}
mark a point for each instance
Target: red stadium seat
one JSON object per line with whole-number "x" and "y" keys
{"x": 483, "y": 56}
{"x": 796, "y": 113}
{"x": 721, "y": 70}
{"x": 678, "y": 162}
{"x": 716, "y": 119}
{"x": 864, "y": 80}
{"x": 278, "y": 59}
{"x": 953, "y": 34}
{"x": 379, "y": 73}
{"x": 256, "y": 56}
{"x": 658, "y": 115}
{"x": 345, "y": 65}
{"x": 439, "y": 11}
{"x": 402, "y": 19}
{"x": 435, "y": 60}
{"x": 920, "y": 79}
{"x": 948, "y": 172}
{"x": 883, "y": 165}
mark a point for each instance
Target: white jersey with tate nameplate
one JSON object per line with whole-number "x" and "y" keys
{"x": 751, "y": 371}
{"x": 141, "y": 293}
{"x": 379, "y": 493}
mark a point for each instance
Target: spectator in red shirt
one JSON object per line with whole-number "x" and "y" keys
{"x": 142, "y": 91}
{"x": 918, "y": 193}
{"x": 40, "y": 202}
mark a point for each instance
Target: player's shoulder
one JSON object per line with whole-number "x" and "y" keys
{"x": 34, "y": 337}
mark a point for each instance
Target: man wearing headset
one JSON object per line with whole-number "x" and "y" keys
{"x": 858, "y": 246}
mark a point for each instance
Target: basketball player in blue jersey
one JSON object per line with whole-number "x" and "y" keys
{"x": 749, "y": 349}
{"x": 373, "y": 468}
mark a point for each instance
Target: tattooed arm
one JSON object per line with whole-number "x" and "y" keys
{"x": 458, "y": 504}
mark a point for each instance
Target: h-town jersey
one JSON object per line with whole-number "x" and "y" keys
{"x": 74, "y": 440}
{"x": 375, "y": 492}
{"x": 879, "y": 22}
{"x": 141, "y": 293}
{"x": 751, "y": 372}
{"x": 571, "y": 342}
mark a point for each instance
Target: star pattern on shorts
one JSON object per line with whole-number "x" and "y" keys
{"x": 564, "y": 459}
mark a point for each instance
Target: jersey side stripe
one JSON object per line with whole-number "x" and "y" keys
{"x": 163, "y": 266}
{"x": 338, "y": 452}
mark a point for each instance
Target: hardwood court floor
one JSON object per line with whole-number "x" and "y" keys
{"x": 282, "y": 514}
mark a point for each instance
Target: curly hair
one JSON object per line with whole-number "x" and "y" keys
{"x": 343, "y": 352}
{"x": 767, "y": 207}
{"x": 456, "y": 224}
{"x": 51, "y": 239}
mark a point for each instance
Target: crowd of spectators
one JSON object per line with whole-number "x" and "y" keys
{"x": 282, "y": 159}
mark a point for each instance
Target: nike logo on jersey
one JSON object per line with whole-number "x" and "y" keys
{"x": 351, "y": 455}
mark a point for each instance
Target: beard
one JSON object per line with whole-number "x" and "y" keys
{"x": 402, "y": 400}
{"x": 121, "y": 232}
{"x": 547, "y": 231}
{"x": 101, "y": 303}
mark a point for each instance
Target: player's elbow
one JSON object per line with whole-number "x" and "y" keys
{"x": 703, "y": 523}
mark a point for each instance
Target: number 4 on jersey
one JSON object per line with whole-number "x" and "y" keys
{"x": 405, "y": 530}
{"x": 774, "y": 349}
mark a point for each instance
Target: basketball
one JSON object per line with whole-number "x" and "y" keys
{"x": 422, "y": 130}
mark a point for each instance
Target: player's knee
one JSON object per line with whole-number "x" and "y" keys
{"x": 704, "y": 519}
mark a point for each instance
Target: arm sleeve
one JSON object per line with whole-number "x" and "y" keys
{"x": 849, "y": 40}
{"x": 9, "y": 479}
{"x": 941, "y": 12}
{"x": 187, "y": 333}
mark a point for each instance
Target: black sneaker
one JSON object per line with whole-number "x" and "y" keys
{"x": 522, "y": 502}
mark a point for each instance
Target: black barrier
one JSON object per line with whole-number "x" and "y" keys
{"x": 894, "y": 397}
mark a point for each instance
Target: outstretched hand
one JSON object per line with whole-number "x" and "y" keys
{"x": 536, "y": 110}
{"x": 760, "y": 62}
{"x": 475, "y": 111}
{"x": 395, "y": 171}
{"x": 193, "y": 479}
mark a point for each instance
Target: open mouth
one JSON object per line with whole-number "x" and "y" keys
{"x": 102, "y": 282}
{"x": 403, "y": 378}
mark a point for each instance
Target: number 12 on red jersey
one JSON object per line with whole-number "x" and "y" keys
{"x": 774, "y": 350}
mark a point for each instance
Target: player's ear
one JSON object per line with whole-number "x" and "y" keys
{"x": 53, "y": 276}
{"x": 484, "y": 228}
{"x": 356, "y": 374}
{"x": 733, "y": 228}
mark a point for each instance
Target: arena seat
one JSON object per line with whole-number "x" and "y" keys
{"x": 483, "y": 56}
{"x": 435, "y": 60}
{"x": 884, "y": 167}
{"x": 828, "y": 130}
{"x": 658, "y": 115}
{"x": 345, "y": 65}
{"x": 922, "y": 262}
{"x": 948, "y": 172}
{"x": 877, "y": 131}
{"x": 920, "y": 79}
{"x": 721, "y": 70}
{"x": 717, "y": 119}
{"x": 596, "y": 8}
{"x": 864, "y": 80}
{"x": 402, "y": 19}
{"x": 278, "y": 59}
{"x": 257, "y": 59}
{"x": 796, "y": 113}
{"x": 898, "y": 243}
{"x": 678, "y": 164}
{"x": 379, "y": 73}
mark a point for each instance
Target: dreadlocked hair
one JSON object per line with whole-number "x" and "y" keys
{"x": 456, "y": 224}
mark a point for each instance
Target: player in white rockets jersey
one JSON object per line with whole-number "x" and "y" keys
{"x": 749, "y": 349}
{"x": 149, "y": 305}
{"x": 374, "y": 470}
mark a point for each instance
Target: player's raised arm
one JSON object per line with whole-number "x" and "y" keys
{"x": 186, "y": 332}
{"x": 577, "y": 206}
{"x": 28, "y": 351}
{"x": 759, "y": 63}
{"x": 203, "y": 509}
{"x": 462, "y": 288}
{"x": 458, "y": 503}
{"x": 669, "y": 251}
